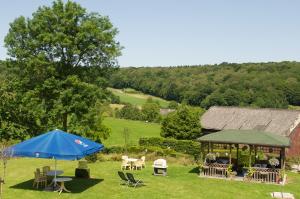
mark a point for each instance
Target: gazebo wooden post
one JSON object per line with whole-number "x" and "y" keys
{"x": 202, "y": 152}
{"x": 208, "y": 144}
{"x": 237, "y": 155}
{"x": 212, "y": 147}
{"x": 230, "y": 154}
{"x": 250, "y": 150}
{"x": 255, "y": 154}
{"x": 282, "y": 158}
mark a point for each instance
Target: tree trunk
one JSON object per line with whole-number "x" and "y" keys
{"x": 65, "y": 121}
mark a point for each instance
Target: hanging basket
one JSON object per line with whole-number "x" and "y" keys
{"x": 270, "y": 150}
{"x": 245, "y": 148}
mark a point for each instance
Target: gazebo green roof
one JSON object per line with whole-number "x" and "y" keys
{"x": 252, "y": 137}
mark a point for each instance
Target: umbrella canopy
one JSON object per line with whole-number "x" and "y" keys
{"x": 56, "y": 144}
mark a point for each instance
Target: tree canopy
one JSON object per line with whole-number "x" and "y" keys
{"x": 61, "y": 59}
{"x": 183, "y": 124}
{"x": 272, "y": 84}
{"x": 63, "y": 40}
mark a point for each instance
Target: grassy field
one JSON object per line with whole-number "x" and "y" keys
{"x": 181, "y": 183}
{"x": 137, "y": 99}
{"x": 137, "y": 130}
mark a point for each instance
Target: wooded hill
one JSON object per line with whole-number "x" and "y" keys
{"x": 270, "y": 84}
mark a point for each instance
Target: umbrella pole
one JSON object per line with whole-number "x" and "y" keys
{"x": 55, "y": 174}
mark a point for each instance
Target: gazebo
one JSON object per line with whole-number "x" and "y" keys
{"x": 222, "y": 151}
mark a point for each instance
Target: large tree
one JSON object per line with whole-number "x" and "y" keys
{"x": 63, "y": 55}
{"x": 63, "y": 40}
{"x": 183, "y": 124}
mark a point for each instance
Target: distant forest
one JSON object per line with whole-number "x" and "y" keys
{"x": 274, "y": 85}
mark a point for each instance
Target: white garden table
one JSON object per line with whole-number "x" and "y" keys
{"x": 62, "y": 184}
{"x": 131, "y": 160}
{"x": 54, "y": 173}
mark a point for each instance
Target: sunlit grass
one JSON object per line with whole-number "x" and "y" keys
{"x": 180, "y": 183}
{"x": 137, "y": 129}
{"x": 137, "y": 99}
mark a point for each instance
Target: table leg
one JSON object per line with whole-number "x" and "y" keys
{"x": 64, "y": 188}
{"x": 58, "y": 190}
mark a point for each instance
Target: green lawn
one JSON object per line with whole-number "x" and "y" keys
{"x": 137, "y": 99}
{"x": 137, "y": 130}
{"x": 181, "y": 183}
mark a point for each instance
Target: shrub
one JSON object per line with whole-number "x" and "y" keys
{"x": 114, "y": 149}
{"x": 173, "y": 105}
{"x": 129, "y": 112}
{"x": 91, "y": 158}
{"x": 116, "y": 157}
{"x": 183, "y": 146}
{"x": 150, "y": 112}
{"x": 135, "y": 149}
{"x": 182, "y": 124}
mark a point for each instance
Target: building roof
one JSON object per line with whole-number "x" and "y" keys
{"x": 253, "y": 137}
{"x": 277, "y": 121}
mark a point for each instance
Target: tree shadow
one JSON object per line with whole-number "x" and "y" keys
{"x": 77, "y": 185}
{"x": 194, "y": 170}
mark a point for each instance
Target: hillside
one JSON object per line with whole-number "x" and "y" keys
{"x": 275, "y": 85}
{"x": 137, "y": 130}
{"x": 137, "y": 98}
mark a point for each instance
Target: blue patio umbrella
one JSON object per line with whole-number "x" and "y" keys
{"x": 57, "y": 145}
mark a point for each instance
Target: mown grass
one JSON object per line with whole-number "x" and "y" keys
{"x": 137, "y": 99}
{"x": 181, "y": 183}
{"x": 137, "y": 129}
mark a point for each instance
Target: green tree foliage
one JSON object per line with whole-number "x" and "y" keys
{"x": 274, "y": 85}
{"x": 63, "y": 40}
{"x": 173, "y": 105}
{"x": 150, "y": 112}
{"x": 61, "y": 59}
{"x": 129, "y": 112}
{"x": 182, "y": 146}
{"x": 182, "y": 124}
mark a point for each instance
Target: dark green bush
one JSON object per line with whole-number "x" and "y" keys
{"x": 91, "y": 158}
{"x": 129, "y": 112}
{"x": 135, "y": 149}
{"x": 159, "y": 151}
{"x": 183, "y": 146}
{"x": 113, "y": 149}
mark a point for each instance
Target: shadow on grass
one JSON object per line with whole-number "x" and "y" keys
{"x": 194, "y": 170}
{"x": 77, "y": 185}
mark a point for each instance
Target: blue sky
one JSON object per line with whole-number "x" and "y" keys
{"x": 169, "y": 33}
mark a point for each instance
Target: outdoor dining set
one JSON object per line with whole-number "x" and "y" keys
{"x": 56, "y": 145}
{"x": 132, "y": 163}
{"x": 43, "y": 177}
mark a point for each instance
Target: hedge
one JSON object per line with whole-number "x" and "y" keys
{"x": 142, "y": 149}
{"x": 183, "y": 146}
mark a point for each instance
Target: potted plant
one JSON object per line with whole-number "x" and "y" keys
{"x": 274, "y": 162}
{"x": 200, "y": 166}
{"x": 249, "y": 174}
{"x": 210, "y": 157}
{"x": 230, "y": 172}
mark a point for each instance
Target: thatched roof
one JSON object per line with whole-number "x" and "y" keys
{"x": 252, "y": 137}
{"x": 277, "y": 121}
